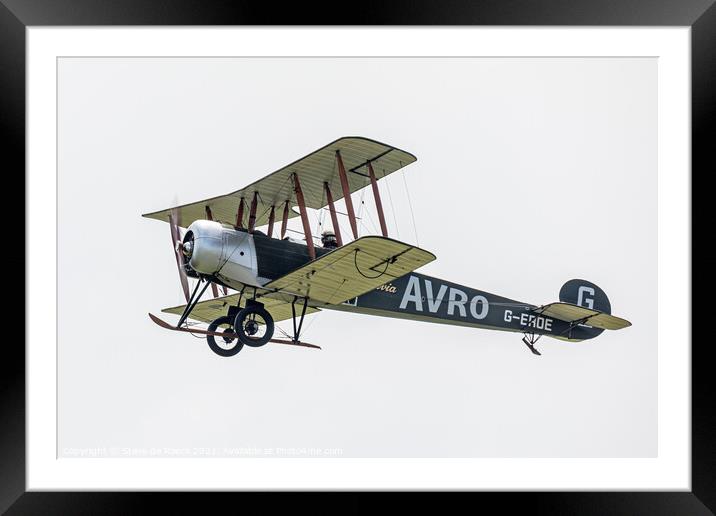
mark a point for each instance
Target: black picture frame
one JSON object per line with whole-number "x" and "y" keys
{"x": 16, "y": 15}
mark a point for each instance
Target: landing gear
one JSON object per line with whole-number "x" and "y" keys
{"x": 297, "y": 329}
{"x": 530, "y": 339}
{"x": 253, "y": 325}
{"x": 227, "y": 345}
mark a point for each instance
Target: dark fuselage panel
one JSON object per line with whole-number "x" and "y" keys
{"x": 276, "y": 258}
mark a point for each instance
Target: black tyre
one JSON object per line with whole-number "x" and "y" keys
{"x": 223, "y": 346}
{"x": 254, "y": 326}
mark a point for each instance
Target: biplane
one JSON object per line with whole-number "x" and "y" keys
{"x": 259, "y": 277}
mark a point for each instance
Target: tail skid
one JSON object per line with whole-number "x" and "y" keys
{"x": 530, "y": 340}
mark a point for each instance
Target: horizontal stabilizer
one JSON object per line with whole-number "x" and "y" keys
{"x": 352, "y": 270}
{"x": 581, "y": 315}
{"x": 212, "y": 309}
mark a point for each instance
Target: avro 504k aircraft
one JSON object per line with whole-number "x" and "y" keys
{"x": 278, "y": 278}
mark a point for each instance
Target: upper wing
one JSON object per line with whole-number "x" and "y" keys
{"x": 352, "y": 270}
{"x": 211, "y": 309}
{"x": 575, "y": 313}
{"x": 313, "y": 171}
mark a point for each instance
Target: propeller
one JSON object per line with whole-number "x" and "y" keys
{"x": 174, "y": 222}
{"x": 174, "y": 226}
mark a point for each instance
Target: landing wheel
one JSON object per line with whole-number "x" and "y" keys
{"x": 224, "y": 346}
{"x": 254, "y": 326}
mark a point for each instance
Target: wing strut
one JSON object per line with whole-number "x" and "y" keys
{"x": 252, "y": 212}
{"x": 297, "y": 330}
{"x": 304, "y": 217}
{"x": 272, "y": 218}
{"x": 240, "y": 214}
{"x": 378, "y": 203}
{"x": 347, "y": 194}
{"x": 284, "y": 219}
{"x": 334, "y": 217}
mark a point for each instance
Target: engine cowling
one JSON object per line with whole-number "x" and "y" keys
{"x": 215, "y": 249}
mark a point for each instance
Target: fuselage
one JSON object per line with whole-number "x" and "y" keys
{"x": 425, "y": 298}
{"x": 238, "y": 259}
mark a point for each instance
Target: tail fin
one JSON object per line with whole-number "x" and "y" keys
{"x": 585, "y": 303}
{"x": 585, "y": 307}
{"x": 585, "y": 293}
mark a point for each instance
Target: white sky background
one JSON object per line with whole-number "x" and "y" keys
{"x": 530, "y": 172}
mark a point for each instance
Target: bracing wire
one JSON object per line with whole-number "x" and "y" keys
{"x": 360, "y": 212}
{"x": 321, "y": 214}
{"x": 344, "y": 231}
{"x": 410, "y": 203}
{"x": 304, "y": 331}
{"x": 392, "y": 207}
{"x": 372, "y": 222}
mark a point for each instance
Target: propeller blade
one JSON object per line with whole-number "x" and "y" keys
{"x": 174, "y": 222}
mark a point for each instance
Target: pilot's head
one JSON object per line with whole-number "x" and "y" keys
{"x": 328, "y": 239}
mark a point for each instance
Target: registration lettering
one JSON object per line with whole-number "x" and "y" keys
{"x": 422, "y": 296}
{"x": 530, "y": 320}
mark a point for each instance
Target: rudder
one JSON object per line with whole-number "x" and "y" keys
{"x": 585, "y": 293}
